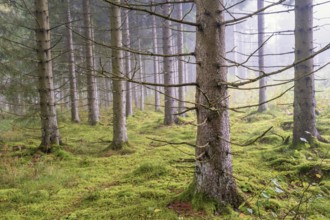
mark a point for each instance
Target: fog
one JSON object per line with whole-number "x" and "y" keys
{"x": 279, "y": 27}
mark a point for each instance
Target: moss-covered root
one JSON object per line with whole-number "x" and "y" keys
{"x": 202, "y": 202}
{"x": 118, "y": 146}
{"x": 123, "y": 149}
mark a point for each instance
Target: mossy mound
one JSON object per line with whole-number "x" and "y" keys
{"x": 79, "y": 181}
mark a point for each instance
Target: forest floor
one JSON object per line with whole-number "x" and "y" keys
{"x": 79, "y": 180}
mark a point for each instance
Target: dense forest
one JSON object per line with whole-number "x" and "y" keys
{"x": 164, "y": 109}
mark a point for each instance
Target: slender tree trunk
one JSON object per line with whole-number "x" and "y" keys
{"x": 119, "y": 120}
{"x": 214, "y": 173}
{"x": 93, "y": 107}
{"x": 142, "y": 77}
{"x": 135, "y": 61}
{"x": 186, "y": 78}
{"x": 304, "y": 88}
{"x": 61, "y": 93}
{"x": 180, "y": 63}
{"x": 128, "y": 67}
{"x": 136, "y": 95}
{"x": 261, "y": 39}
{"x": 243, "y": 73}
{"x": 108, "y": 87}
{"x": 50, "y": 134}
{"x": 168, "y": 72}
{"x": 72, "y": 70}
{"x": 155, "y": 63}
{"x": 235, "y": 44}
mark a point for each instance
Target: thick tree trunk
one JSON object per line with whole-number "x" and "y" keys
{"x": 168, "y": 72}
{"x": 50, "y": 133}
{"x": 93, "y": 106}
{"x": 261, "y": 39}
{"x": 304, "y": 89}
{"x": 119, "y": 119}
{"x": 72, "y": 70}
{"x": 214, "y": 172}
{"x": 180, "y": 63}
{"x": 128, "y": 66}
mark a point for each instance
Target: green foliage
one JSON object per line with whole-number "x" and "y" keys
{"x": 150, "y": 180}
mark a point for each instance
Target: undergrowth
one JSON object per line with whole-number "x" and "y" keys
{"x": 150, "y": 180}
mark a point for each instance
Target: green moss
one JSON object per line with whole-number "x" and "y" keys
{"x": 93, "y": 196}
{"x": 284, "y": 163}
{"x": 125, "y": 149}
{"x": 62, "y": 154}
{"x": 271, "y": 139}
{"x": 150, "y": 170}
{"x": 202, "y": 202}
{"x": 78, "y": 181}
{"x": 152, "y": 194}
{"x": 273, "y": 205}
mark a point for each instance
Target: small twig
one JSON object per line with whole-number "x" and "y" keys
{"x": 299, "y": 204}
{"x": 250, "y": 142}
{"x": 185, "y": 111}
{"x": 283, "y": 138}
{"x": 178, "y": 143}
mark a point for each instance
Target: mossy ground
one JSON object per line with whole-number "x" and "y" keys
{"x": 145, "y": 180}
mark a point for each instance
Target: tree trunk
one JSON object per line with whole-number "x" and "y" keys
{"x": 119, "y": 120}
{"x": 242, "y": 48}
{"x": 261, "y": 39}
{"x": 128, "y": 67}
{"x": 108, "y": 86}
{"x": 135, "y": 61}
{"x": 214, "y": 174}
{"x": 180, "y": 63}
{"x": 72, "y": 70}
{"x": 155, "y": 63}
{"x": 304, "y": 89}
{"x": 168, "y": 72}
{"x": 93, "y": 108}
{"x": 235, "y": 45}
{"x": 142, "y": 77}
{"x": 50, "y": 134}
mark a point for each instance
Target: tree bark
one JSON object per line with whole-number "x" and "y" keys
{"x": 181, "y": 76}
{"x": 50, "y": 134}
{"x": 72, "y": 70}
{"x": 214, "y": 172}
{"x": 128, "y": 66}
{"x": 168, "y": 72}
{"x": 261, "y": 38}
{"x": 235, "y": 45}
{"x": 92, "y": 99}
{"x": 304, "y": 88}
{"x": 155, "y": 62}
{"x": 119, "y": 120}
{"x": 108, "y": 86}
{"x": 242, "y": 48}
{"x": 142, "y": 77}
